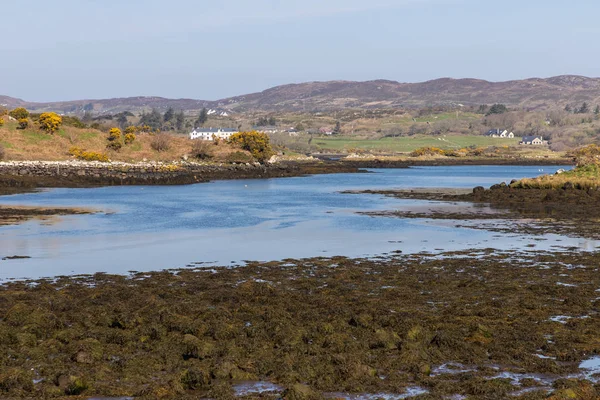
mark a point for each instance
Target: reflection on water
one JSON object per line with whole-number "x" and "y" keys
{"x": 151, "y": 228}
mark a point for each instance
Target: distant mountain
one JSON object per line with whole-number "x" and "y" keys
{"x": 323, "y": 96}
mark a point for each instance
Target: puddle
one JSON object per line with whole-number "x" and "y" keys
{"x": 250, "y": 388}
{"x": 409, "y": 392}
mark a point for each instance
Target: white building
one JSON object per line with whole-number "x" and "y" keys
{"x": 210, "y": 133}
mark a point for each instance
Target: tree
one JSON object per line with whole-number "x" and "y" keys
{"x": 338, "y": 128}
{"x": 568, "y": 108}
{"x": 50, "y": 122}
{"x": 597, "y": 110}
{"x": 272, "y": 121}
{"x": 202, "y": 118}
{"x": 122, "y": 120}
{"x": 169, "y": 114}
{"x": 584, "y": 109}
{"x": 482, "y": 109}
{"x": 179, "y": 120}
{"x": 497, "y": 109}
{"x": 19, "y": 113}
{"x": 257, "y": 143}
{"x": 153, "y": 119}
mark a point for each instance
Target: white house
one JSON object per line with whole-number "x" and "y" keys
{"x": 499, "y": 133}
{"x": 533, "y": 140}
{"x": 210, "y": 133}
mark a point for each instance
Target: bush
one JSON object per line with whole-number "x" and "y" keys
{"x": 19, "y": 113}
{"x": 239, "y": 157}
{"x": 427, "y": 151}
{"x": 81, "y": 154}
{"x": 202, "y": 149}
{"x": 161, "y": 142}
{"x": 129, "y": 138}
{"x": 50, "y": 122}
{"x": 74, "y": 122}
{"x": 1, "y": 122}
{"x": 256, "y": 143}
{"x": 115, "y": 139}
{"x": 23, "y": 123}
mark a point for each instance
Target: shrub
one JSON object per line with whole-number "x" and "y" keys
{"x": 160, "y": 143}
{"x": 256, "y": 143}
{"x": 202, "y": 149}
{"x": 115, "y": 139}
{"x": 587, "y": 155}
{"x": 427, "y": 151}
{"x": 129, "y": 138}
{"x": 73, "y": 121}
{"x": 81, "y": 154}
{"x": 130, "y": 130}
{"x": 239, "y": 157}
{"x": 50, "y": 122}
{"x": 19, "y": 113}
{"x": 1, "y": 122}
{"x": 23, "y": 123}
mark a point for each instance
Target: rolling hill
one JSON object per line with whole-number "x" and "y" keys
{"x": 533, "y": 93}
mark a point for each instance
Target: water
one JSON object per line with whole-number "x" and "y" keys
{"x": 145, "y": 228}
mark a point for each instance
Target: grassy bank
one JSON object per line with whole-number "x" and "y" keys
{"x": 34, "y": 144}
{"x": 583, "y": 177}
{"x": 409, "y": 144}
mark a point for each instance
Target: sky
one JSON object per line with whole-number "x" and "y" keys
{"x": 87, "y": 49}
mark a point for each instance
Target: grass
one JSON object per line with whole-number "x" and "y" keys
{"x": 408, "y": 144}
{"x": 583, "y": 177}
{"x": 33, "y": 144}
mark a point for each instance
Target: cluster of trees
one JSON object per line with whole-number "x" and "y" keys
{"x": 264, "y": 121}
{"x": 583, "y": 109}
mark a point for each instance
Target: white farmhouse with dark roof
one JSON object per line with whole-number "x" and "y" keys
{"x": 499, "y": 133}
{"x": 210, "y": 133}
{"x": 533, "y": 140}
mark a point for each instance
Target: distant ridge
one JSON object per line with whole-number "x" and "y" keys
{"x": 533, "y": 93}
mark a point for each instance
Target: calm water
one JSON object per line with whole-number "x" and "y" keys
{"x": 146, "y": 228}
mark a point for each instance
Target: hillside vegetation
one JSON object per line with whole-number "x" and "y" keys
{"x": 69, "y": 143}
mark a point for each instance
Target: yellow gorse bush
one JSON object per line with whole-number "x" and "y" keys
{"x": 257, "y": 143}
{"x": 50, "y": 122}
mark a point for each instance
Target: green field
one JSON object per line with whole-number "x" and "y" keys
{"x": 408, "y": 144}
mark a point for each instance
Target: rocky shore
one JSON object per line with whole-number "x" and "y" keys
{"x": 569, "y": 210}
{"x": 23, "y": 175}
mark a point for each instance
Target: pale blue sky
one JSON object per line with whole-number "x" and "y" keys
{"x": 76, "y": 49}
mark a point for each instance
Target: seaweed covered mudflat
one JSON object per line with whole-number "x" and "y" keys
{"x": 569, "y": 210}
{"x": 472, "y": 324}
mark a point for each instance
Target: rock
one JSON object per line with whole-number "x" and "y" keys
{"x": 478, "y": 189}
{"x": 84, "y": 358}
{"x": 300, "y": 392}
{"x": 560, "y": 171}
{"x": 568, "y": 186}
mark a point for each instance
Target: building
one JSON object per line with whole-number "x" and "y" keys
{"x": 210, "y": 133}
{"x": 533, "y": 140}
{"x": 265, "y": 129}
{"x": 499, "y": 133}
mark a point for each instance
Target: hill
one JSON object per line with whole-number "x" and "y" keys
{"x": 533, "y": 93}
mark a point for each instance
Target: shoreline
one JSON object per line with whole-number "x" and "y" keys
{"x": 19, "y": 176}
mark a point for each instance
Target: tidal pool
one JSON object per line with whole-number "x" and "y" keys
{"x": 146, "y": 228}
